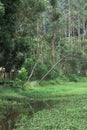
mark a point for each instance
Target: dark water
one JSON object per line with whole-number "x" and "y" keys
{"x": 8, "y": 122}
{"x": 10, "y": 117}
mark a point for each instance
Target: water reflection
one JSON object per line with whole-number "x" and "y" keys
{"x": 8, "y": 123}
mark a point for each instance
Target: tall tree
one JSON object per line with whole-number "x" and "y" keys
{"x": 7, "y": 31}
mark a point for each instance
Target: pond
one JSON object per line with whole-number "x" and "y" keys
{"x": 10, "y": 115}
{"x": 57, "y": 114}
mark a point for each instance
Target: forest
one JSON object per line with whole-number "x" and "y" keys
{"x": 43, "y": 64}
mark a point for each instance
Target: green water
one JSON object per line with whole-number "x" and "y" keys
{"x": 10, "y": 115}
{"x": 70, "y": 113}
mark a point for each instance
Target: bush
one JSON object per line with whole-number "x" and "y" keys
{"x": 26, "y": 86}
{"x": 53, "y": 74}
{"x": 30, "y": 85}
{"x": 17, "y": 83}
{"x": 73, "y": 78}
{"x": 29, "y": 63}
{"x": 62, "y": 79}
{"x": 23, "y": 75}
{"x": 52, "y": 82}
{"x": 21, "y": 78}
{"x": 40, "y": 70}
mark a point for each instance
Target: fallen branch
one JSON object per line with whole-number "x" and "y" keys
{"x": 34, "y": 68}
{"x": 31, "y": 108}
{"x": 52, "y": 68}
{"x": 47, "y": 104}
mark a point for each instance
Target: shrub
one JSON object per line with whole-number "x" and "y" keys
{"x": 23, "y": 75}
{"x": 26, "y": 86}
{"x": 29, "y": 63}
{"x": 21, "y": 78}
{"x": 73, "y": 78}
{"x": 53, "y": 74}
{"x": 17, "y": 83}
{"x": 40, "y": 70}
{"x": 30, "y": 85}
{"x": 52, "y": 82}
{"x": 62, "y": 79}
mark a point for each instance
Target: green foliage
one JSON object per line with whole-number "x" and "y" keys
{"x": 7, "y": 31}
{"x": 44, "y": 32}
{"x": 2, "y": 10}
{"x": 61, "y": 80}
{"x": 41, "y": 69}
{"x": 39, "y": 6}
{"x": 53, "y": 3}
{"x": 36, "y": 6}
{"x": 19, "y": 59}
{"x": 53, "y": 82}
{"x": 54, "y": 73}
{"x": 21, "y": 78}
{"x": 23, "y": 75}
{"x": 22, "y": 44}
{"x": 28, "y": 64}
{"x": 26, "y": 86}
{"x": 73, "y": 78}
{"x": 18, "y": 83}
{"x": 30, "y": 85}
{"x": 55, "y": 15}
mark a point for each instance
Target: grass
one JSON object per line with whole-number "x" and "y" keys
{"x": 46, "y": 92}
{"x": 56, "y": 91}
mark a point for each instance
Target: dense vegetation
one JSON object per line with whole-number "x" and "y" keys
{"x": 44, "y": 32}
{"x": 43, "y": 58}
